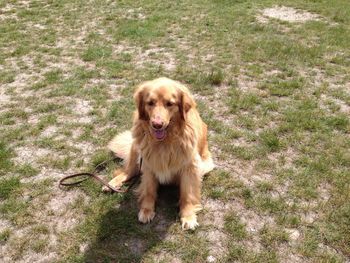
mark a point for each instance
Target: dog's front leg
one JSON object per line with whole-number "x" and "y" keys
{"x": 190, "y": 197}
{"x": 147, "y": 195}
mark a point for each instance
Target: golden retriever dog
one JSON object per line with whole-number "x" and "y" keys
{"x": 171, "y": 138}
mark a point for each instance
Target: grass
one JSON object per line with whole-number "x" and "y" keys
{"x": 5, "y": 157}
{"x": 5, "y": 235}
{"x": 275, "y": 96}
{"x": 236, "y": 230}
{"x": 7, "y": 186}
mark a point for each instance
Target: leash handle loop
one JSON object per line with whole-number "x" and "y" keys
{"x": 98, "y": 168}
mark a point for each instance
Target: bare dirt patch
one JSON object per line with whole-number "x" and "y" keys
{"x": 288, "y": 14}
{"x": 220, "y": 110}
{"x": 49, "y": 131}
{"x": 156, "y": 56}
{"x": 4, "y": 99}
{"x": 9, "y": 11}
{"x": 153, "y": 55}
{"x": 214, "y": 220}
{"x": 82, "y": 107}
{"x": 30, "y": 154}
{"x": 135, "y": 14}
{"x": 19, "y": 239}
{"x": 57, "y": 215}
{"x": 4, "y": 224}
{"x": 326, "y": 102}
{"x": 62, "y": 218}
{"x": 22, "y": 81}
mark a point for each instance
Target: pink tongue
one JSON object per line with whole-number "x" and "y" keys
{"x": 160, "y": 134}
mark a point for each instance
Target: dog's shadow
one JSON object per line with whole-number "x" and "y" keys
{"x": 121, "y": 238}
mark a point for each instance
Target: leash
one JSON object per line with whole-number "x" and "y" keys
{"x": 98, "y": 168}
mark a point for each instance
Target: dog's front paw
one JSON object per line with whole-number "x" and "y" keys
{"x": 189, "y": 222}
{"x": 116, "y": 182}
{"x": 146, "y": 215}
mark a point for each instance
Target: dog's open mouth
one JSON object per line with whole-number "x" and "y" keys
{"x": 159, "y": 134}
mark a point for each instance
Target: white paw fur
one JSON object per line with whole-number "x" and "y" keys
{"x": 189, "y": 222}
{"x": 146, "y": 215}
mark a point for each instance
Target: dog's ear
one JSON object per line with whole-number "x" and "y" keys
{"x": 186, "y": 102}
{"x": 140, "y": 102}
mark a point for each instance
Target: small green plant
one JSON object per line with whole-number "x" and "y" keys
{"x": 234, "y": 227}
{"x": 270, "y": 140}
{"x": 4, "y": 235}
{"x": 8, "y": 186}
{"x": 5, "y": 157}
{"x": 94, "y": 53}
{"x": 215, "y": 77}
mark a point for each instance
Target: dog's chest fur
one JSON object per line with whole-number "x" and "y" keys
{"x": 166, "y": 160}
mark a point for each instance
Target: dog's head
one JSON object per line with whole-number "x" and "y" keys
{"x": 160, "y": 102}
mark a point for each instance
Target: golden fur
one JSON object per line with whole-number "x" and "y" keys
{"x": 176, "y": 151}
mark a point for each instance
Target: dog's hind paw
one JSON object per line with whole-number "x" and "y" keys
{"x": 189, "y": 222}
{"x": 146, "y": 215}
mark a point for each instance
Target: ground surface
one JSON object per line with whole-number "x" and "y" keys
{"x": 272, "y": 81}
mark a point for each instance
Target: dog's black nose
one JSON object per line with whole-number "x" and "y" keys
{"x": 157, "y": 125}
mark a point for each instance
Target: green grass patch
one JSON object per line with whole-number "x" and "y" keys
{"x": 8, "y": 186}
{"x": 278, "y": 87}
{"x": 272, "y": 237}
{"x": 5, "y": 157}
{"x": 222, "y": 185}
{"x": 7, "y": 77}
{"x": 94, "y": 53}
{"x": 239, "y": 100}
{"x": 215, "y": 77}
{"x": 269, "y": 139}
{"x": 234, "y": 227}
{"x": 241, "y": 254}
{"x": 53, "y": 76}
{"x": 5, "y": 235}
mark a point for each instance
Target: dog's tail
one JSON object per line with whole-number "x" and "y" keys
{"x": 205, "y": 166}
{"x": 120, "y": 145}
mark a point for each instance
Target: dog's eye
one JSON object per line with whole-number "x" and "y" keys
{"x": 169, "y": 104}
{"x": 150, "y": 103}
